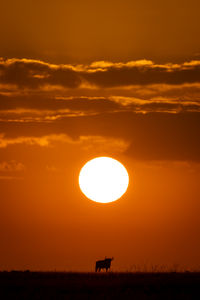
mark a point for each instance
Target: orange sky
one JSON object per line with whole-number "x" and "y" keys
{"x": 84, "y": 79}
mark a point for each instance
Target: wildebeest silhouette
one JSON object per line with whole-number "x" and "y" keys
{"x": 103, "y": 264}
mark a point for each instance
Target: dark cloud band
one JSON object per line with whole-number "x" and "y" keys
{"x": 27, "y": 73}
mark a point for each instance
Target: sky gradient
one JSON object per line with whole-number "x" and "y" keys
{"x": 85, "y": 79}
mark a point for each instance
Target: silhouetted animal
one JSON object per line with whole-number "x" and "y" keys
{"x": 103, "y": 264}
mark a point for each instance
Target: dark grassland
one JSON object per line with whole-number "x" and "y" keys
{"x": 56, "y": 285}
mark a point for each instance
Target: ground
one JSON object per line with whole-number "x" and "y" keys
{"x": 56, "y": 285}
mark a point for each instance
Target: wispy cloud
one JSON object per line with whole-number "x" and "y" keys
{"x": 11, "y": 166}
{"x": 99, "y": 143}
{"x": 26, "y": 109}
{"x": 43, "y": 141}
{"x": 102, "y": 144}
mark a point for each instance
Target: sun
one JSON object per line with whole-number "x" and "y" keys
{"x": 103, "y": 179}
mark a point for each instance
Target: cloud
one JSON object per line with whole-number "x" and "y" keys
{"x": 87, "y": 143}
{"x": 148, "y": 111}
{"x": 43, "y": 141}
{"x": 9, "y": 170}
{"x": 41, "y": 108}
{"x": 157, "y": 104}
{"x": 29, "y": 73}
{"x": 36, "y": 91}
{"x": 104, "y": 144}
{"x": 36, "y": 74}
{"x": 144, "y": 74}
{"x": 152, "y": 136}
{"x": 11, "y": 166}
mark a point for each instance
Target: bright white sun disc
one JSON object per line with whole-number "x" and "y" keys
{"x": 103, "y": 179}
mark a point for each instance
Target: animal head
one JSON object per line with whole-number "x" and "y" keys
{"x": 109, "y": 258}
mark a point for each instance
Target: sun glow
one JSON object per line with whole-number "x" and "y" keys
{"x": 103, "y": 179}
